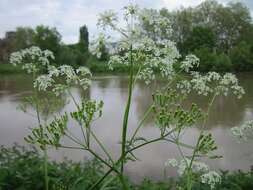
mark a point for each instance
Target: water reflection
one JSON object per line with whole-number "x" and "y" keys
{"x": 225, "y": 113}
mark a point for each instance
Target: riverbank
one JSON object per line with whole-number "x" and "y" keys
{"x": 21, "y": 168}
{"x": 10, "y": 69}
{"x": 96, "y": 67}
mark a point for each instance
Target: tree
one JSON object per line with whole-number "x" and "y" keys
{"x": 200, "y": 37}
{"x": 24, "y": 37}
{"x": 242, "y": 57}
{"x": 83, "y": 43}
{"x": 47, "y": 38}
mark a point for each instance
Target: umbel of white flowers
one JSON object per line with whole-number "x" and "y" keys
{"x": 156, "y": 55}
{"x": 243, "y": 132}
{"x": 33, "y": 59}
{"x": 206, "y": 176}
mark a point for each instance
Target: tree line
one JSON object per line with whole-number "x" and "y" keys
{"x": 220, "y": 35}
{"x": 48, "y": 38}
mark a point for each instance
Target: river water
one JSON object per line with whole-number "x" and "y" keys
{"x": 225, "y": 113}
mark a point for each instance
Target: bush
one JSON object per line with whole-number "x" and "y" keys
{"x": 242, "y": 57}
{"x": 22, "y": 169}
{"x": 222, "y": 63}
{"x": 207, "y": 59}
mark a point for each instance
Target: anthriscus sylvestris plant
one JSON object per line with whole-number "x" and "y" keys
{"x": 40, "y": 105}
{"x": 155, "y": 57}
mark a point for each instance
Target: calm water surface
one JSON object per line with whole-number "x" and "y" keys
{"x": 225, "y": 113}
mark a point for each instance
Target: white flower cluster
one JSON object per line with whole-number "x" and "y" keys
{"x": 212, "y": 82}
{"x": 153, "y": 55}
{"x": 244, "y": 132}
{"x": 130, "y": 10}
{"x": 190, "y": 62}
{"x": 108, "y": 18}
{"x": 211, "y": 178}
{"x": 43, "y": 82}
{"x": 206, "y": 176}
{"x": 32, "y": 59}
{"x": 80, "y": 76}
{"x": 97, "y": 45}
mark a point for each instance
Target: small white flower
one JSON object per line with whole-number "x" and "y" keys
{"x": 171, "y": 162}
{"x": 244, "y": 132}
{"x": 131, "y": 10}
{"x": 31, "y": 58}
{"x": 211, "y": 178}
{"x": 106, "y": 18}
{"x": 59, "y": 89}
{"x": 83, "y": 71}
{"x": 53, "y": 71}
{"x": 190, "y": 62}
{"x": 43, "y": 82}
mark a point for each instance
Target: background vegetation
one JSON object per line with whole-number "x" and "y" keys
{"x": 22, "y": 169}
{"x": 221, "y": 36}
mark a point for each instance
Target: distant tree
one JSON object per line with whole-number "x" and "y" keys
{"x": 24, "y": 37}
{"x": 83, "y": 43}
{"x": 207, "y": 59}
{"x": 47, "y": 38}
{"x": 242, "y": 57}
{"x": 200, "y": 37}
{"x": 222, "y": 63}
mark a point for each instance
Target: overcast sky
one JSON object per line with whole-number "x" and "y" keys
{"x": 68, "y": 15}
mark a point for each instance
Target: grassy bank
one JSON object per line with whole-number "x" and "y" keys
{"x": 22, "y": 169}
{"x": 10, "y": 69}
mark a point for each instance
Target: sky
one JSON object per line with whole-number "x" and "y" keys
{"x": 68, "y": 15}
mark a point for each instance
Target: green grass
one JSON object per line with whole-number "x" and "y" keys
{"x": 10, "y": 69}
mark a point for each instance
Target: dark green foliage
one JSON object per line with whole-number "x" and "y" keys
{"x": 83, "y": 43}
{"x": 10, "y": 69}
{"x": 148, "y": 184}
{"x": 200, "y": 37}
{"x": 47, "y": 38}
{"x": 22, "y": 169}
{"x": 242, "y": 57}
{"x": 213, "y": 61}
{"x": 222, "y": 63}
{"x": 70, "y": 55}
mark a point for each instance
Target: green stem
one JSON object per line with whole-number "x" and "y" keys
{"x": 126, "y": 115}
{"x": 146, "y": 114}
{"x": 122, "y": 157}
{"x": 189, "y": 180}
{"x": 46, "y": 167}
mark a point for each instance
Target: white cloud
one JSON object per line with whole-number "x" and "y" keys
{"x": 174, "y": 4}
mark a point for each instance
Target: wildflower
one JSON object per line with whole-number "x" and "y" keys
{"x": 184, "y": 86}
{"x": 43, "y": 82}
{"x": 130, "y": 10}
{"x": 171, "y": 162}
{"x": 211, "y": 178}
{"x": 84, "y": 71}
{"x": 53, "y": 71}
{"x": 109, "y": 17}
{"x": 59, "y": 89}
{"x": 98, "y": 45}
{"x": 190, "y": 62}
{"x": 32, "y": 59}
{"x": 244, "y": 132}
